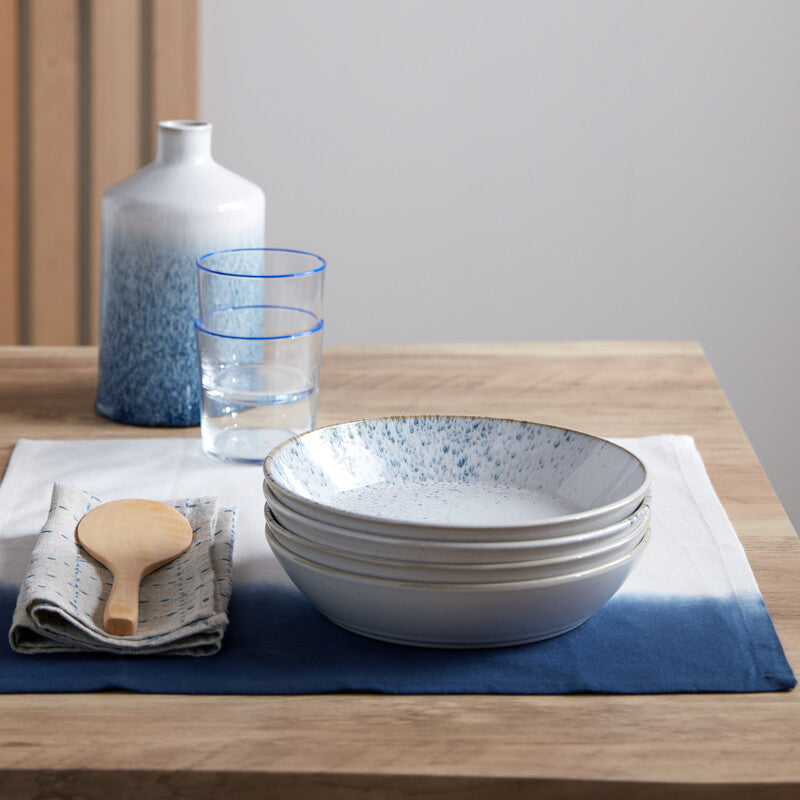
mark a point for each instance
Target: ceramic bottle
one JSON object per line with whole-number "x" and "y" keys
{"x": 155, "y": 225}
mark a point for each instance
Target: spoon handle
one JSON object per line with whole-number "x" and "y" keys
{"x": 122, "y": 607}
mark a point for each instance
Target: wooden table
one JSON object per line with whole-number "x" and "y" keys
{"x": 126, "y": 745}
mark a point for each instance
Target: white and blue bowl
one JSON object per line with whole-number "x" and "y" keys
{"x": 449, "y": 478}
{"x": 431, "y": 551}
{"x": 457, "y": 615}
{"x": 491, "y": 570}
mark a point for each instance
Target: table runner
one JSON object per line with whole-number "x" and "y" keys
{"x": 690, "y": 617}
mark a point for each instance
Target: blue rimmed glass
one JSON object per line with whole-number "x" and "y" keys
{"x": 254, "y": 276}
{"x": 259, "y": 338}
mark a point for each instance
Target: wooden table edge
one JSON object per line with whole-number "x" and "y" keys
{"x": 410, "y": 781}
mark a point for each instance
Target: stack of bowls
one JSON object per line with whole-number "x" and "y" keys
{"x": 443, "y": 531}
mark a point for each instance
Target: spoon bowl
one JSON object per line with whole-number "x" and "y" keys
{"x": 132, "y": 538}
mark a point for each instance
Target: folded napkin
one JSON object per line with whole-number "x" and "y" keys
{"x": 690, "y": 617}
{"x": 182, "y": 605}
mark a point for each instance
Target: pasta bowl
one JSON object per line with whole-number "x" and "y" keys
{"x": 455, "y": 572}
{"x": 431, "y": 551}
{"x": 457, "y": 615}
{"x": 456, "y": 478}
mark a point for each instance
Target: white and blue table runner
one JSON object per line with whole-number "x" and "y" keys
{"x": 690, "y": 618}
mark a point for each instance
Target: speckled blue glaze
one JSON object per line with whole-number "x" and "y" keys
{"x": 148, "y": 352}
{"x": 149, "y": 373}
{"x": 156, "y": 223}
{"x": 460, "y": 471}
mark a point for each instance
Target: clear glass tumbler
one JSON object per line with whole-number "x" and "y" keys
{"x": 259, "y": 339}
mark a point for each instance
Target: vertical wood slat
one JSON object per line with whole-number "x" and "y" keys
{"x": 10, "y": 318}
{"x": 114, "y": 124}
{"x": 173, "y": 48}
{"x": 54, "y": 225}
{"x": 85, "y": 82}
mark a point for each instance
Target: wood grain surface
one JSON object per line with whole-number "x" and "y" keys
{"x": 83, "y": 84}
{"x": 10, "y": 327}
{"x": 343, "y": 746}
{"x": 54, "y": 272}
{"x": 173, "y": 53}
{"x": 114, "y": 124}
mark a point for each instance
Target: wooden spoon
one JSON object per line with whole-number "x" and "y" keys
{"x": 132, "y": 538}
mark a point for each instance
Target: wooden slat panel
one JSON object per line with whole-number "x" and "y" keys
{"x": 173, "y": 93}
{"x": 9, "y": 174}
{"x": 114, "y": 127}
{"x": 53, "y": 172}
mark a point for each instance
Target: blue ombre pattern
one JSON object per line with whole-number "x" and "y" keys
{"x": 630, "y": 646}
{"x": 149, "y": 371}
{"x": 156, "y": 224}
{"x": 690, "y": 617}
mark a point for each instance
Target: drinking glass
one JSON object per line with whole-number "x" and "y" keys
{"x": 259, "y": 337}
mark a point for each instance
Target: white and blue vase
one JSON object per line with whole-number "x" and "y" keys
{"x": 156, "y": 224}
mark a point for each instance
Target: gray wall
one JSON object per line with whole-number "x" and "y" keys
{"x": 478, "y": 170}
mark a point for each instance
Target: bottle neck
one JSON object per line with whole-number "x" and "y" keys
{"x": 183, "y": 140}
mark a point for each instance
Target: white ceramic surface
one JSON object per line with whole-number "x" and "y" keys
{"x": 446, "y": 477}
{"x": 431, "y": 551}
{"x": 456, "y": 615}
{"x": 488, "y": 572}
{"x": 155, "y": 224}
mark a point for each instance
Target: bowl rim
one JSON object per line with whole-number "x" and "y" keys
{"x": 584, "y": 538}
{"x": 488, "y": 586}
{"x": 636, "y": 533}
{"x": 560, "y": 521}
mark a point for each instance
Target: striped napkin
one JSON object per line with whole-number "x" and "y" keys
{"x": 182, "y": 605}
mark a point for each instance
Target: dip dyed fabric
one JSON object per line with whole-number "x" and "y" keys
{"x": 690, "y": 618}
